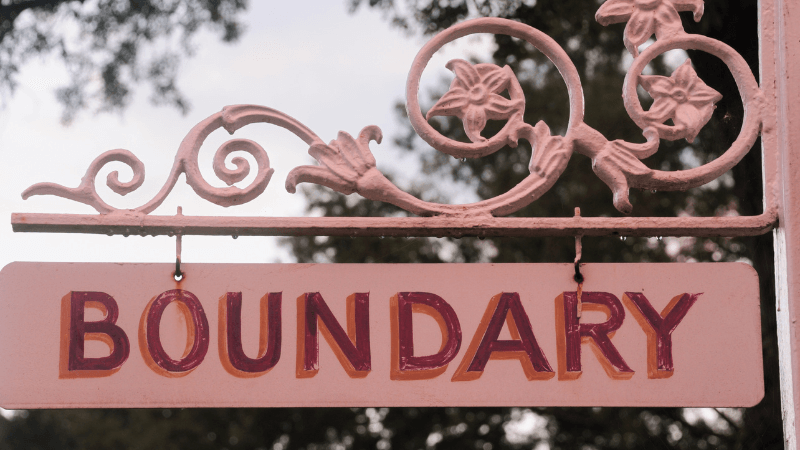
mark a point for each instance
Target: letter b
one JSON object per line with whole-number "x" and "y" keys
{"x": 78, "y": 328}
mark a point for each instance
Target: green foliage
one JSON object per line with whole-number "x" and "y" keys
{"x": 110, "y": 46}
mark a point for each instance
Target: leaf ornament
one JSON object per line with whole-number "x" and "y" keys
{"x": 682, "y": 97}
{"x": 474, "y": 96}
{"x": 645, "y": 17}
{"x": 548, "y": 152}
{"x": 343, "y": 162}
{"x": 618, "y": 162}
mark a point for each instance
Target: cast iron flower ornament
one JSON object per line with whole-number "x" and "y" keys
{"x": 646, "y": 17}
{"x": 346, "y": 164}
{"x": 474, "y": 96}
{"x": 682, "y": 105}
{"x": 682, "y": 97}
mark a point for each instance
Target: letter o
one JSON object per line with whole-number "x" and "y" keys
{"x": 199, "y": 321}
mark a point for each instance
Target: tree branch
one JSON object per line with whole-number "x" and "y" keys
{"x": 9, "y": 13}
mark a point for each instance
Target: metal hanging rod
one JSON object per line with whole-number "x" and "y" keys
{"x": 114, "y": 224}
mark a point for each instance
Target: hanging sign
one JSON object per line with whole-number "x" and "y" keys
{"x": 242, "y": 335}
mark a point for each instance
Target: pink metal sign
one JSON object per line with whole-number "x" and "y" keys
{"x": 129, "y": 335}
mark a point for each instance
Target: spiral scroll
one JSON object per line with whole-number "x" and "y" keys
{"x": 86, "y": 192}
{"x": 186, "y": 162}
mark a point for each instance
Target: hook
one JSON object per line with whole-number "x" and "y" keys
{"x": 578, "y": 277}
{"x": 178, "y": 247}
{"x": 578, "y": 250}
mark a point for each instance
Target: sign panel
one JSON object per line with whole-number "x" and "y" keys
{"x": 245, "y": 335}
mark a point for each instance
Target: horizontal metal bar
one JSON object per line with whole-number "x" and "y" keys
{"x": 133, "y": 224}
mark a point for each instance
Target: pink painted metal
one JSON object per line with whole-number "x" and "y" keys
{"x": 780, "y": 64}
{"x": 347, "y": 165}
{"x": 395, "y": 226}
{"x": 423, "y": 335}
{"x": 646, "y": 17}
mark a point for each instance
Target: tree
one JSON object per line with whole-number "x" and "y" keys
{"x": 110, "y": 46}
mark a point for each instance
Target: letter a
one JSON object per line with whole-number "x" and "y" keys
{"x": 523, "y": 346}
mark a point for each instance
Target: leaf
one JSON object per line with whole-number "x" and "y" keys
{"x": 689, "y": 119}
{"x": 656, "y": 85}
{"x": 661, "y": 109}
{"x": 499, "y": 107}
{"x": 641, "y": 151}
{"x": 464, "y": 71}
{"x": 474, "y": 122}
{"x": 368, "y": 133}
{"x": 317, "y": 175}
{"x": 623, "y": 160}
{"x": 331, "y": 157}
{"x": 614, "y": 11}
{"x": 685, "y": 75}
{"x": 701, "y": 94}
{"x": 323, "y": 153}
{"x": 351, "y": 153}
{"x": 667, "y": 21}
{"x": 696, "y": 6}
{"x": 452, "y": 103}
{"x": 548, "y": 151}
{"x": 639, "y": 28}
{"x": 496, "y": 80}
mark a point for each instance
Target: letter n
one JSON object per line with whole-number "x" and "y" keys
{"x": 351, "y": 347}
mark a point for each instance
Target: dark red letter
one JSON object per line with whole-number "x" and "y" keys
{"x": 272, "y": 352}
{"x": 661, "y": 328}
{"x": 574, "y": 331}
{"x": 78, "y": 328}
{"x": 199, "y": 331}
{"x": 523, "y": 347}
{"x": 357, "y": 356}
{"x": 451, "y": 331}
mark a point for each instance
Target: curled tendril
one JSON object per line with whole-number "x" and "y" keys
{"x": 186, "y": 161}
{"x": 231, "y": 176}
{"x": 86, "y": 192}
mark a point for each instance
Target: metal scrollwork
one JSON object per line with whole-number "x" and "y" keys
{"x": 347, "y": 165}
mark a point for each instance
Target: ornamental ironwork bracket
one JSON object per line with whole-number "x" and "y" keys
{"x": 346, "y": 164}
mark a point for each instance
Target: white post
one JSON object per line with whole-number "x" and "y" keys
{"x": 786, "y": 48}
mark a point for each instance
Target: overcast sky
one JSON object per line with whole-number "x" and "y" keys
{"x": 311, "y": 59}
